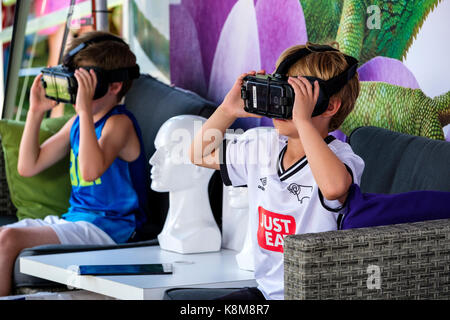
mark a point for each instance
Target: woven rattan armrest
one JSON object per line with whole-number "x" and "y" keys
{"x": 403, "y": 261}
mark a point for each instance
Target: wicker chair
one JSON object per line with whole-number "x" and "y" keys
{"x": 403, "y": 261}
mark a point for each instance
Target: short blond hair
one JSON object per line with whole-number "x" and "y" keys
{"x": 326, "y": 65}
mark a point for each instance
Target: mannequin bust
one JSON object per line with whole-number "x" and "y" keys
{"x": 238, "y": 202}
{"x": 190, "y": 226}
{"x": 234, "y": 217}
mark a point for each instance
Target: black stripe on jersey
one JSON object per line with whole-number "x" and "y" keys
{"x": 296, "y": 167}
{"x": 223, "y": 163}
{"x": 291, "y": 171}
{"x": 280, "y": 161}
{"x": 329, "y": 139}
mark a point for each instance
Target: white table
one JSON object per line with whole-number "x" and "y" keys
{"x": 205, "y": 270}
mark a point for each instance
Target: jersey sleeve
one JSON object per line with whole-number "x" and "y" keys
{"x": 233, "y": 161}
{"x": 354, "y": 165}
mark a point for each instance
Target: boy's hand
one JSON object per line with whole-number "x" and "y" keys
{"x": 233, "y": 104}
{"x": 38, "y": 101}
{"x": 87, "y": 82}
{"x": 305, "y": 98}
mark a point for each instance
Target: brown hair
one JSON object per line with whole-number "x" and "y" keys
{"x": 108, "y": 55}
{"x": 326, "y": 65}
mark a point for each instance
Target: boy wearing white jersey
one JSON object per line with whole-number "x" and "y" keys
{"x": 298, "y": 176}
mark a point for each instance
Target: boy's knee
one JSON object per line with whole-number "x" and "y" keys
{"x": 9, "y": 239}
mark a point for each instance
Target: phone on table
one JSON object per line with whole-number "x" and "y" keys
{"x": 125, "y": 269}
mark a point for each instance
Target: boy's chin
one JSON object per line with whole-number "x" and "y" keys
{"x": 285, "y": 127}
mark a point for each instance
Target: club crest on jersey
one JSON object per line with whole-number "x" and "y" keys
{"x": 301, "y": 192}
{"x": 264, "y": 184}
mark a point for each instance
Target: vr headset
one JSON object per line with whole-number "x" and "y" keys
{"x": 272, "y": 96}
{"x": 61, "y": 85}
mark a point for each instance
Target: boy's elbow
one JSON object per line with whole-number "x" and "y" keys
{"x": 335, "y": 192}
{"x": 24, "y": 171}
{"x": 332, "y": 194}
{"x": 90, "y": 174}
{"x": 90, "y": 178}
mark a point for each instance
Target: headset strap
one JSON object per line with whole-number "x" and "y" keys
{"x": 333, "y": 85}
{"x": 289, "y": 61}
{"x": 330, "y": 86}
{"x": 107, "y": 37}
{"x": 123, "y": 74}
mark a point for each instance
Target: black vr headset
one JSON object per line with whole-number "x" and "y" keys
{"x": 61, "y": 85}
{"x": 272, "y": 96}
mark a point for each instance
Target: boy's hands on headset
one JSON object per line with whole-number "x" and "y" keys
{"x": 233, "y": 103}
{"x": 87, "y": 82}
{"x": 305, "y": 98}
{"x": 38, "y": 101}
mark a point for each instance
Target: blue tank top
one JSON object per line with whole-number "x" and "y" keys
{"x": 115, "y": 202}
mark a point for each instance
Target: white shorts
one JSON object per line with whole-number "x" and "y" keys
{"x": 68, "y": 232}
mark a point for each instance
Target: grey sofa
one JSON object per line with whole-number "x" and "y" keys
{"x": 403, "y": 261}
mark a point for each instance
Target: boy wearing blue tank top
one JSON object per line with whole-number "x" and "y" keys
{"x": 108, "y": 201}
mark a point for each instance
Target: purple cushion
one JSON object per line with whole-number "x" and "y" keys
{"x": 370, "y": 209}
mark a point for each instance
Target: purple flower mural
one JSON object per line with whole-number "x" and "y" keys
{"x": 388, "y": 70}
{"x": 195, "y": 28}
{"x": 232, "y": 37}
{"x": 213, "y": 42}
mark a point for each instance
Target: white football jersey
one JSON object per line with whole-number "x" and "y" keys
{"x": 282, "y": 201}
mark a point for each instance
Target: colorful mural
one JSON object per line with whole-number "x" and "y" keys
{"x": 149, "y": 36}
{"x": 212, "y": 42}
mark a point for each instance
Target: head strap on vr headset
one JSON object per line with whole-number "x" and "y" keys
{"x": 67, "y": 60}
{"x": 116, "y": 75}
{"x": 123, "y": 74}
{"x": 330, "y": 86}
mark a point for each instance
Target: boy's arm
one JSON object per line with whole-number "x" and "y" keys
{"x": 204, "y": 147}
{"x": 119, "y": 138}
{"x": 328, "y": 170}
{"x": 34, "y": 158}
{"x": 203, "y": 151}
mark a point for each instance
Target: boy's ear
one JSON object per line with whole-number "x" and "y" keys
{"x": 333, "y": 107}
{"x": 115, "y": 87}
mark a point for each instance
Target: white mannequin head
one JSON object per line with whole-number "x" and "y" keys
{"x": 172, "y": 169}
{"x": 238, "y": 197}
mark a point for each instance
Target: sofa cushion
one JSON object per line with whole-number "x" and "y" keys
{"x": 397, "y": 163}
{"x": 372, "y": 209}
{"x": 44, "y": 194}
{"x": 7, "y": 208}
{"x": 153, "y": 102}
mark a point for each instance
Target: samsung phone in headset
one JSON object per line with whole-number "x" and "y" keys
{"x": 61, "y": 85}
{"x": 272, "y": 96}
